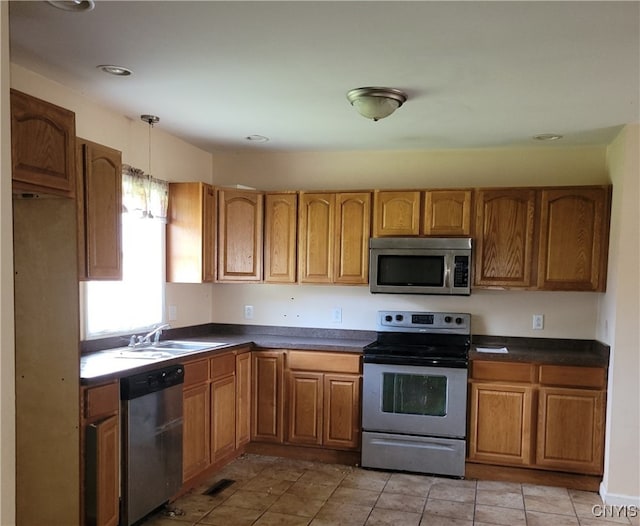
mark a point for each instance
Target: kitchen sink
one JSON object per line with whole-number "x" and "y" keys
{"x": 163, "y": 350}
{"x": 142, "y": 354}
{"x": 184, "y": 346}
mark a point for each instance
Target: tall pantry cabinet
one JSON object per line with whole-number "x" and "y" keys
{"x": 46, "y": 313}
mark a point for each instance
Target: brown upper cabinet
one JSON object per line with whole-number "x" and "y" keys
{"x": 400, "y": 213}
{"x": 316, "y": 222}
{"x": 552, "y": 238}
{"x": 99, "y": 203}
{"x": 42, "y": 146}
{"x": 333, "y": 237}
{"x": 353, "y": 229}
{"x": 240, "y": 223}
{"x": 396, "y": 213}
{"x": 191, "y": 233}
{"x": 573, "y": 238}
{"x": 504, "y": 240}
{"x": 447, "y": 213}
{"x": 280, "y": 235}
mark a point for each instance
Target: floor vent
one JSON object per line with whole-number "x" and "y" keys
{"x": 219, "y": 486}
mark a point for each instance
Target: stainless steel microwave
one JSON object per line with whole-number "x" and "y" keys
{"x": 420, "y": 265}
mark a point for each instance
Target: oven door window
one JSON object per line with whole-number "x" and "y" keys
{"x": 414, "y": 394}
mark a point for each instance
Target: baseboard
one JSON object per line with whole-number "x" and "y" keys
{"x": 532, "y": 476}
{"x": 315, "y": 454}
{"x": 615, "y": 499}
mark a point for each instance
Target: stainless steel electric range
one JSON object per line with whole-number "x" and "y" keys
{"x": 414, "y": 406}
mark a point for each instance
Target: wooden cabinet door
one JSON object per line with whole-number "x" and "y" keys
{"x": 570, "y": 430}
{"x": 500, "y": 423}
{"x": 42, "y": 146}
{"x": 447, "y": 213}
{"x": 195, "y": 434}
{"x": 573, "y": 238}
{"x": 396, "y": 213}
{"x": 267, "y": 396}
{"x": 191, "y": 233}
{"x": 504, "y": 237}
{"x": 223, "y": 417}
{"x": 316, "y": 229}
{"x": 341, "y": 415}
{"x": 305, "y": 404}
{"x": 240, "y": 216}
{"x": 102, "y": 497}
{"x": 280, "y": 236}
{"x": 99, "y": 201}
{"x": 353, "y": 230}
{"x": 243, "y": 399}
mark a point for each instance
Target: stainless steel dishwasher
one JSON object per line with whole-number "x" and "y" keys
{"x": 151, "y": 440}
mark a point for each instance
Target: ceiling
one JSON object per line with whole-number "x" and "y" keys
{"x": 477, "y": 74}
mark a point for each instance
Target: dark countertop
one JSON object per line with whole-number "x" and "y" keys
{"x": 97, "y": 368}
{"x": 542, "y": 351}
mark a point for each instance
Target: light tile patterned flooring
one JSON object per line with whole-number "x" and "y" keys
{"x": 275, "y": 491}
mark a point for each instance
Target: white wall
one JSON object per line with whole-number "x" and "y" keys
{"x": 619, "y": 324}
{"x": 7, "y": 361}
{"x": 505, "y": 313}
{"x": 539, "y": 165}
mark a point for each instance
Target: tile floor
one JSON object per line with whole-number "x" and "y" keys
{"x": 274, "y": 491}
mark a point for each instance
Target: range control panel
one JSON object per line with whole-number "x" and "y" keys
{"x": 433, "y": 322}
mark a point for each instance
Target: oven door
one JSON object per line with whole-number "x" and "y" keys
{"x": 414, "y": 400}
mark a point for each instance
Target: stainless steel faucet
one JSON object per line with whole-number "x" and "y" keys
{"x": 138, "y": 341}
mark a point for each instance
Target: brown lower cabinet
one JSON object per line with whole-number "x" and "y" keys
{"x": 307, "y": 398}
{"x": 101, "y": 461}
{"x": 537, "y": 416}
{"x": 216, "y": 405}
{"x": 267, "y": 397}
{"x": 323, "y": 399}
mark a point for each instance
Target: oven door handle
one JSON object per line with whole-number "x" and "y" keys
{"x": 459, "y": 363}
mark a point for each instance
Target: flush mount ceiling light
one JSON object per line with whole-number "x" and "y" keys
{"x": 376, "y": 103}
{"x": 73, "y": 5}
{"x": 547, "y": 137}
{"x": 112, "y": 69}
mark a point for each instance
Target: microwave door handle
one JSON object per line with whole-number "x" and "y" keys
{"x": 447, "y": 277}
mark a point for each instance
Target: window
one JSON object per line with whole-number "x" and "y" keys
{"x": 137, "y": 302}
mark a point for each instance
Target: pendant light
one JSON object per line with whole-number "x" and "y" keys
{"x": 150, "y": 120}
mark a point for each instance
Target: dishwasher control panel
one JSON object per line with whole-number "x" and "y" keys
{"x": 145, "y": 383}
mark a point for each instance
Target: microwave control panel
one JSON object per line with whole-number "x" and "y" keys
{"x": 461, "y": 271}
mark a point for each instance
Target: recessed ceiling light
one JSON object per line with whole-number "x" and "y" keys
{"x": 118, "y": 71}
{"x": 73, "y": 5}
{"x": 256, "y": 138}
{"x": 547, "y": 137}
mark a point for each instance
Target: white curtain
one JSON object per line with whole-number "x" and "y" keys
{"x": 143, "y": 194}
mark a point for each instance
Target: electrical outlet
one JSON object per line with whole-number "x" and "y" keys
{"x": 248, "y": 312}
{"x": 336, "y": 315}
{"x": 173, "y": 313}
{"x": 538, "y": 322}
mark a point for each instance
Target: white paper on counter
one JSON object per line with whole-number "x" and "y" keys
{"x": 501, "y": 350}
